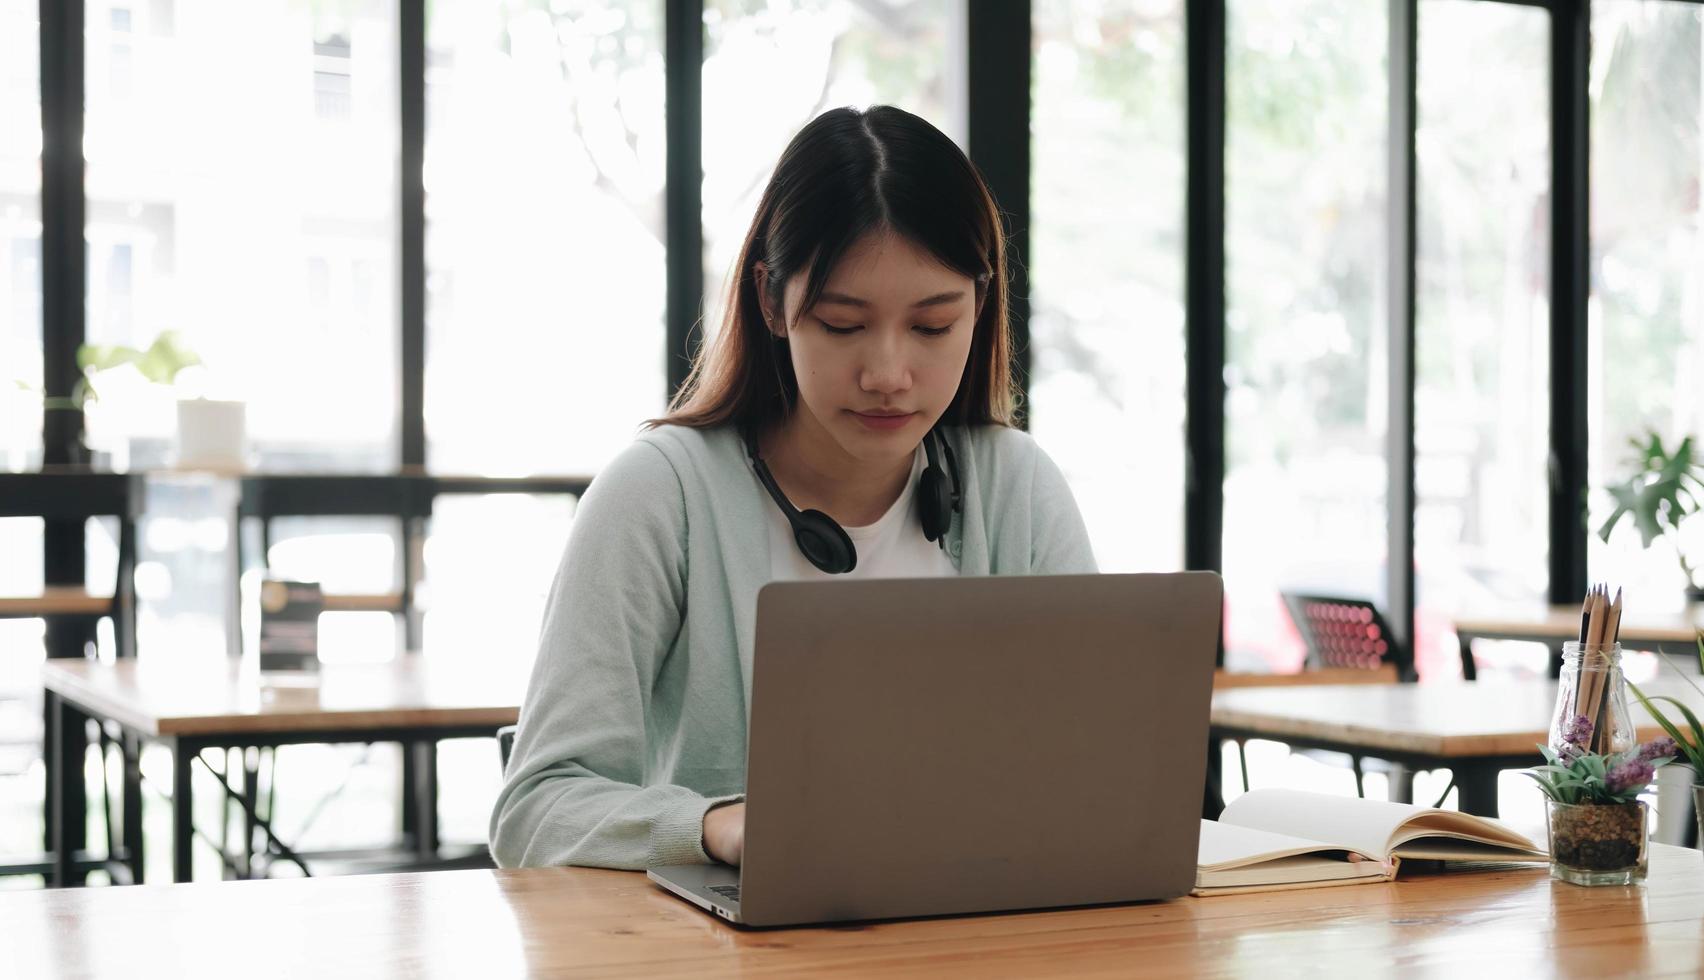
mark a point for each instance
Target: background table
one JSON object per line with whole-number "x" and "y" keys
{"x": 1474, "y": 730}
{"x": 577, "y": 922}
{"x": 1554, "y": 625}
{"x": 199, "y": 702}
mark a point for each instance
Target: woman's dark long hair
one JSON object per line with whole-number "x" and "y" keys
{"x": 847, "y": 174}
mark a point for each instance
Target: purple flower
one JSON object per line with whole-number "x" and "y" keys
{"x": 1632, "y": 774}
{"x": 1661, "y": 747}
{"x": 1577, "y": 730}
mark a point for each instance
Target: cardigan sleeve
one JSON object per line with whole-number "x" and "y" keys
{"x": 1059, "y": 541}
{"x": 575, "y": 791}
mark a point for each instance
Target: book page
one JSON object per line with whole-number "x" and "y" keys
{"x": 1365, "y": 826}
{"x": 1298, "y": 871}
{"x": 1225, "y": 846}
{"x": 1461, "y": 850}
{"x": 1437, "y": 828}
{"x": 1373, "y": 827}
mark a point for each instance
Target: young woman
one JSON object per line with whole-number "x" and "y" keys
{"x": 853, "y": 416}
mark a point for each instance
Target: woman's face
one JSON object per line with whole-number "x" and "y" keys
{"x": 881, "y": 354}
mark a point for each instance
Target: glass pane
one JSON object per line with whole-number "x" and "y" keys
{"x": 1647, "y": 318}
{"x": 1482, "y": 418}
{"x": 770, "y": 66}
{"x": 1306, "y": 358}
{"x": 1106, "y": 326}
{"x": 22, "y": 650}
{"x": 20, "y": 237}
{"x": 243, "y": 192}
{"x": 544, "y": 225}
{"x": 490, "y": 561}
{"x": 183, "y": 580}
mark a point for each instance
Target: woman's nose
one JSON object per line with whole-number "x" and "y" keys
{"x": 885, "y": 367}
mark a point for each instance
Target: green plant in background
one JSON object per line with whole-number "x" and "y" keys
{"x": 1692, "y": 742}
{"x": 160, "y": 362}
{"x": 1662, "y": 492}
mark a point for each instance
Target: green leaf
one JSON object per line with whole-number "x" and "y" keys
{"x": 1548, "y": 789}
{"x": 1691, "y": 720}
{"x": 1657, "y": 494}
{"x": 1694, "y": 751}
{"x": 160, "y": 363}
{"x": 105, "y": 357}
{"x": 165, "y": 357}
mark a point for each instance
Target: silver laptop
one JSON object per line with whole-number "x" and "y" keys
{"x": 953, "y": 745}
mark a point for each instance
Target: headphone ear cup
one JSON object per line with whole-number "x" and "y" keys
{"x": 824, "y": 542}
{"x": 934, "y": 503}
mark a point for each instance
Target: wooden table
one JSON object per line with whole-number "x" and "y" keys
{"x": 198, "y": 702}
{"x": 564, "y": 922}
{"x": 1475, "y": 730}
{"x": 1554, "y": 625}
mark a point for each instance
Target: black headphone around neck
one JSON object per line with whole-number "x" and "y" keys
{"x": 825, "y": 543}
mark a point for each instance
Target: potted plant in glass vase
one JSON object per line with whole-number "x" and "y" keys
{"x": 1598, "y": 826}
{"x": 1663, "y": 490}
{"x": 209, "y": 433}
{"x": 1690, "y": 740}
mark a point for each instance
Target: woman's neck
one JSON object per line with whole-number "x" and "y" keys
{"x": 817, "y": 474}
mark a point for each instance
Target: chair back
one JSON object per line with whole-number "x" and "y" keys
{"x": 1342, "y": 632}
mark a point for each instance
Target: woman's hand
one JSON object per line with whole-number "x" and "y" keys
{"x": 724, "y": 833}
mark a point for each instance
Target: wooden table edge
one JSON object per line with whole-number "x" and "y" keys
{"x": 73, "y": 687}
{"x": 418, "y": 719}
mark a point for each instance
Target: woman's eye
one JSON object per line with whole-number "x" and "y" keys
{"x": 854, "y": 328}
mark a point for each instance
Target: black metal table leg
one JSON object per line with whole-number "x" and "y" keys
{"x": 183, "y": 826}
{"x": 247, "y": 787}
{"x": 1477, "y": 789}
{"x": 131, "y": 749}
{"x": 425, "y": 754}
{"x": 58, "y": 829}
{"x": 1401, "y": 783}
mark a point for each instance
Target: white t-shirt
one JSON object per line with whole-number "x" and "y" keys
{"x": 892, "y": 547}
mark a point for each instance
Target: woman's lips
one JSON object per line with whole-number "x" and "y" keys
{"x": 884, "y": 423}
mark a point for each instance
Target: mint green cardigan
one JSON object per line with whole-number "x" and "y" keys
{"x": 634, "y": 722}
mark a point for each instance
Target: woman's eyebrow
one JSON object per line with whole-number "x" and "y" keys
{"x": 936, "y": 300}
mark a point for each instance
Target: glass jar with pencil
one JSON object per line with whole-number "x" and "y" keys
{"x": 1595, "y": 767}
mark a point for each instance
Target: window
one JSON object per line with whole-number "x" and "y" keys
{"x": 20, "y": 237}
{"x": 1306, "y": 151}
{"x": 333, "y": 81}
{"x": 20, "y": 420}
{"x": 1106, "y": 326}
{"x": 210, "y": 205}
{"x": 544, "y": 247}
{"x": 1647, "y": 314}
{"x": 771, "y": 66}
{"x": 1482, "y": 397}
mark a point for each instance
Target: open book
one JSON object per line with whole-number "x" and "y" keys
{"x": 1271, "y": 839}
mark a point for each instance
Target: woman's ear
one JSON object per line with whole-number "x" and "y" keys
{"x": 760, "y": 277}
